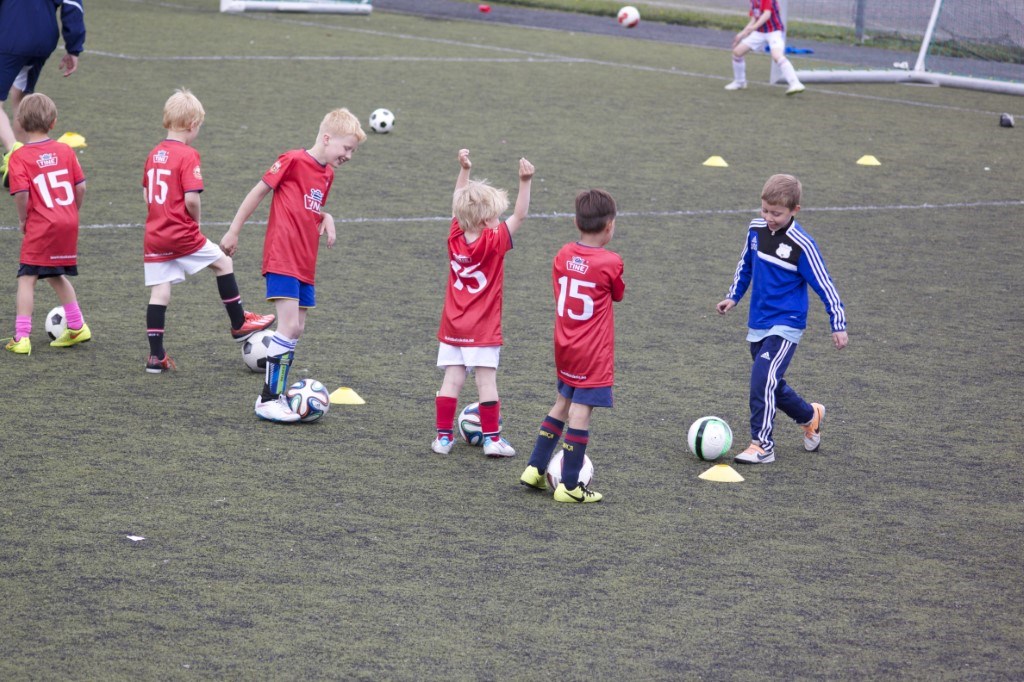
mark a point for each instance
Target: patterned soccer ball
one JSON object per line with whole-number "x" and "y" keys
{"x": 629, "y": 16}
{"x": 382, "y": 121}
{"x": 254, "y": 350}
{"x": 554, "y": 472}
{"x": 709, "y": 438}
{"x": 469, "y": 424}
{"x": 309, "y": 399}
{"x": 56, "y": 322}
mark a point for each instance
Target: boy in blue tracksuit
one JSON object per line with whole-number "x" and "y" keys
{"x": 779, "y": 260}
{"x": 28, "y": 35}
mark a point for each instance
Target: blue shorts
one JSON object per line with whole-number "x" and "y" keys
{"x": 11, "y": 65}
{"x": 286, "y": 286}
{"x": 44, "y": 271}
{"x": 600, "y": 396}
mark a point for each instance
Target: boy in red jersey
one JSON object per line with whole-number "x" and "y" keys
{"x": 48, "y": 187}
{"x": 764, "y": 28}
{"x": 174, "y": 246}
{"x": 470, "y": 331}
{"x": 587, "y": 280}
{"x": 300, "y": 180}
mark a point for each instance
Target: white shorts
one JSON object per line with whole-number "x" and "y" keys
{"x": 776, "y": 40}
{"x": 174, "y": 271}
{"x": 468, "y": 356}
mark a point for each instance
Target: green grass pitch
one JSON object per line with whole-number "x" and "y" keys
{"x": 346, "y": 550}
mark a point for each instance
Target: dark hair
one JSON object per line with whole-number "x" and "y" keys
{"x": 595, "y": 208}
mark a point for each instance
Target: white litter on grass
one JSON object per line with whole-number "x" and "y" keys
{"x": 135, "y": 538}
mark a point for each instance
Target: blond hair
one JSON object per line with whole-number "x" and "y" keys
{"x": 37, "y": 113}
{"x": 342, "y": 122}
{"x": 182, "y": 110}
{"x": 782, "y": 190}
{"x": 477, "y": 203}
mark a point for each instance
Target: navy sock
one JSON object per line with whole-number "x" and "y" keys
{"x": 574, "y": 449}
{"x": 547, "y": 441}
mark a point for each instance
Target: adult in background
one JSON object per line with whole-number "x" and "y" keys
{"x": 28, "y": 36}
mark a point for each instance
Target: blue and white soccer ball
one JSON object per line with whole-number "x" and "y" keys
{"x": 309, "y": 399}
{"x": 709, "y": 438}
{"x": 382, "y": 121}
{"x": 469, "y": 424}
{"x": 254, "y": 350}
{"x": 56, "y": 323}
{"x": 554, "y": 471}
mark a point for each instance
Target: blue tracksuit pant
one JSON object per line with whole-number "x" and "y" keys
{"x": 770, "y": 392}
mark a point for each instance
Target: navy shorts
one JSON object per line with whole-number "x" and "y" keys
{"x": 286, "y": 286}
{"x": 42, "y": 271}
{"x": 11, "y": 65}
{"x": 600, "y": 396}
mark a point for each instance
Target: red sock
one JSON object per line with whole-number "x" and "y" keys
{"x": 444, "y": 407}
{"x": 490, "y": 419}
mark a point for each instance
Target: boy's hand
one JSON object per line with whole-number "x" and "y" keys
{"x": 229, "y": 243}
{"x": 840, "y": 339}
{"x": 725, "y": 306}
{"x": 464, "y": 159}
{"x": 327, "y": 225}
{"x": 525, "y": 170}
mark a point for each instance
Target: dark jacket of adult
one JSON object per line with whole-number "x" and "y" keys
{"x": 29, "y": 27}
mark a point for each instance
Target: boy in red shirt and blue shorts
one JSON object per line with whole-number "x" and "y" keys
{"x": 587, "y": 281}
{"x": 300, "y": 180}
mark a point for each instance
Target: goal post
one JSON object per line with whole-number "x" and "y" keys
{"x": 311, "y": 6}
{"x": 973, "y": 44}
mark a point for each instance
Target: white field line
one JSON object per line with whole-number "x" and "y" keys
{"x": 751, "y": 211}
{"x": 528, "y": 57}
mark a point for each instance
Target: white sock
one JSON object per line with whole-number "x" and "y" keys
{"x": 739, "y": 69}
{"x": 788, "y": 72}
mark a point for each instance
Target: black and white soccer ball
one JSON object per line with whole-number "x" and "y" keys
{"x": 254, "y": 350}
{"x": 56, "y": 322}
{"x": 382, "y": 121}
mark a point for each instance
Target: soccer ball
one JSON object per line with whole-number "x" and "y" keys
{"x": 382, "y": 121}
{"x": 254, "y": 350}
{"x": 629, "y": 16}
{"x": 709, "y": 438}
{"x": 308, "y": 399}
{"x": 56, "y": 322}
{"x": 469, "y": 424}
{"x": 554, "y": 472}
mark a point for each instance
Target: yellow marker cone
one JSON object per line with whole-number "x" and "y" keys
{"x": 868, "y": 160}
{"x": 716, "y": 162}
{"x": 73, "y": 140}
{"x": 346, "y": 396}
{"x": 723, "y": 473}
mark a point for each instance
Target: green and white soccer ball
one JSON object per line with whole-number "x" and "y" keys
{"x": 709, "y": 438}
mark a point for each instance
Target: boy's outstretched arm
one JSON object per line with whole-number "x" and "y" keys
{"x": 229, "y": 242}
{"x": 522, "y": 208}
{"x": 465, "y": 165}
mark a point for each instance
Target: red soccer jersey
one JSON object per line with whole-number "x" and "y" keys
{"x": 49, "y": 171}
{"x": 300, "y": 185}
{"x": 774, "y": 23}
{"x": 587, "y": 280}
{"x": 476, "y": 282}
{"x": 172, "y": 169}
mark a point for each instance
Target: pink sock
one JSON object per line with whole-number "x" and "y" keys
{"x": 74, "y": 315}
{"x": 22, "y": 326}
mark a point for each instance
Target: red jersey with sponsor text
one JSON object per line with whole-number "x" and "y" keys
{"x": 49, "y": 171}
{"x": 476, "y": 280}
{"x": 587, "y": 280}
{"x": 172, "y": 169}
{"x": 300, "y": 185}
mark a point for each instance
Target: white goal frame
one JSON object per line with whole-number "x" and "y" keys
{"x": 903, "y": 73}
{"x": 311, "y": 6}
